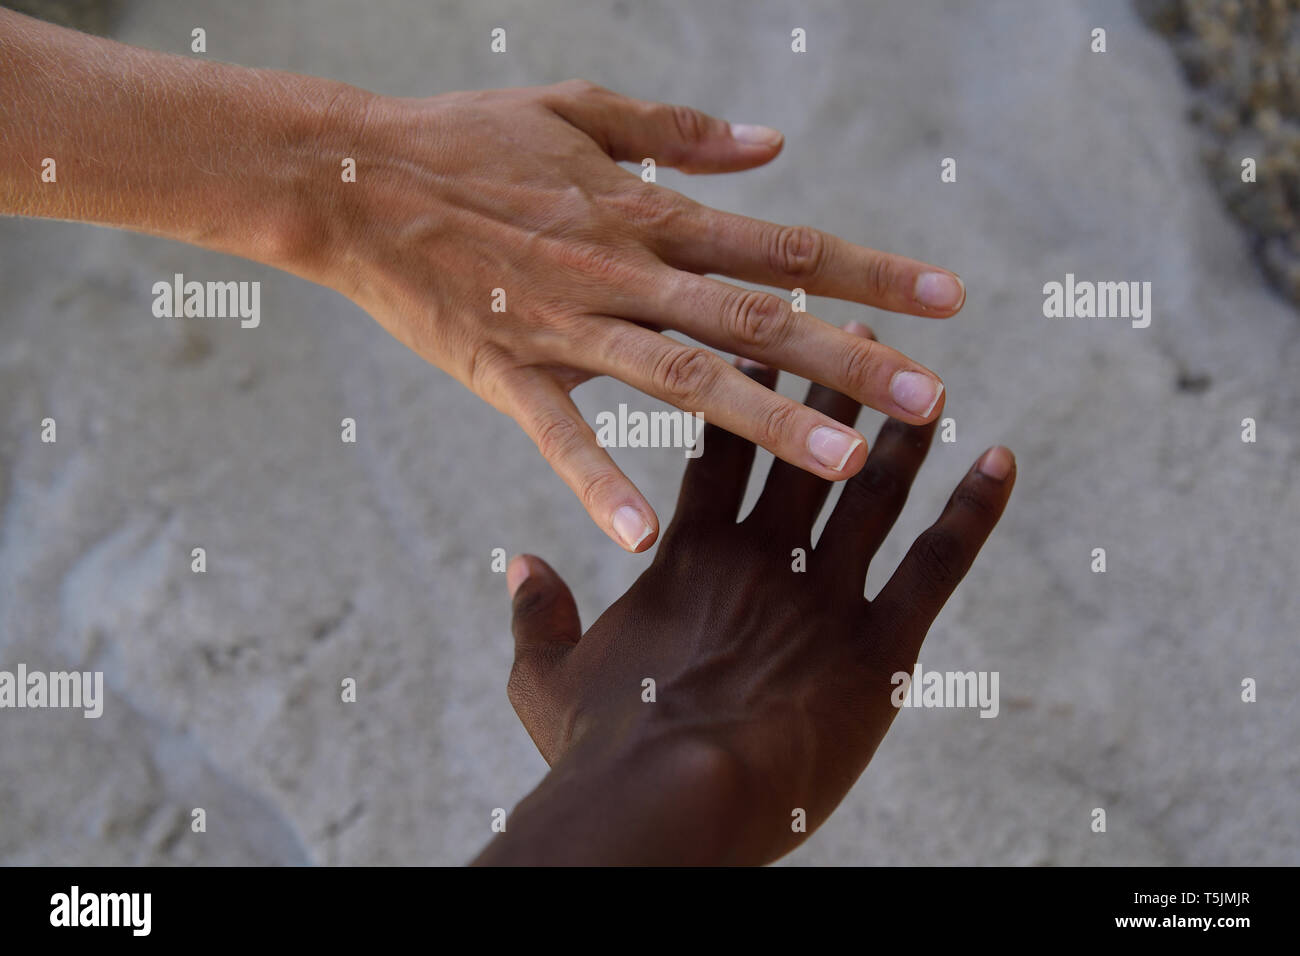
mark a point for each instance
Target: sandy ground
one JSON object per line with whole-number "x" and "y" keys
{"x": 1118, "y": 690}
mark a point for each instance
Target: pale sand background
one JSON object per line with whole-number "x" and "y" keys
{"x": 1118, "y": 690}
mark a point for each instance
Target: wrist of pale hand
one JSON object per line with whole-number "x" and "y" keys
{"x": 301, "y": 208}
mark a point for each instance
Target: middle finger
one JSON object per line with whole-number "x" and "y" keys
{"x": 763, "y": 327}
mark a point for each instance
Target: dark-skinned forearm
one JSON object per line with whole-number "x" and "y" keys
{"x": 663, "y": 802}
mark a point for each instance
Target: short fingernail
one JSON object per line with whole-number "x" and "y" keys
{"x": 917, "y": 392}
{"x": 749, "y": 365}
{"x": 995, "y": 463}
{"x": 857, "y": 328}
{"x": 939, "y": 290}
{"x": 754, "y": 135}
{"x": 630, "y": 527}
{"x": 831, "y": 446}
{"x": 516, "y": 574}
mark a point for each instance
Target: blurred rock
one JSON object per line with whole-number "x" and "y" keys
{"x": 1243, "y": 58}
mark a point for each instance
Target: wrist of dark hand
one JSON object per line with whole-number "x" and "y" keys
{"x": 644, "y": 798}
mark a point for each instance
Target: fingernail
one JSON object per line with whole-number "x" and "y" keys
{"x": 916, "y": 392}
{"x": 516, "y": 574}
{"x": 749, "y": 365}
{"x": 857, "y": 328}
{"x": 754, "y": 135}
{"x": 939, "y": 290}
{"x": 831, "y": 446}
{"x": 630, "y": 527}
{"x": 995, "y": 463}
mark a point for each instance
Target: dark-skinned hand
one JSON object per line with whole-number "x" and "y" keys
{"x": 772, "y": 686}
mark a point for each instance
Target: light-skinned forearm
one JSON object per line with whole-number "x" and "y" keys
{"x": 217, "y": 155}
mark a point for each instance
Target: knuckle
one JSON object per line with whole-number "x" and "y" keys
{"x": 645, "y": 205}
{"x": 685, "y": 374}
{"x": 797, "y": 251}
{"x": 758, "y": 319}
{"x": 775, "y": 424}
{"x": 531, "y": 603}
{"x": 860, "y": 363}
{"x": 599, "y": 486}
{"x": 577, "y": 86}
{"x": 556, "y": 436}
{"x": 881, "y": 276}
{"x": 691, "y": 125}
{"x": 483, "y": 359}
{"x": 941, "y": 557}
{"x": 561, "y": 319}
{"x": 602, "y": 263}
{"x": 880, "y": 483}
{"x": 970, "y": 500}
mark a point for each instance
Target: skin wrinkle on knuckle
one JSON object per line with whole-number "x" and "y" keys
{"x": 556, "y": 435}
{"x": 973, "y": 500}
{"x": 758, "y": 320}
{"x": 941, "y": 557}
{"x": 860, "y": 364}
{"x": 604, "y": 263}
{"x": 598, "y": 486}
{"x": 775, "y": 424}
{"x": 596, "y": 263}
{"x": 530, "y": 604}
{"x": 691, "y": 126}
{"x": 797, "y": 251}
{"x": 684, "y": 374}
{"x": 647, "y": 208}
{"x": 881, "y": 275}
